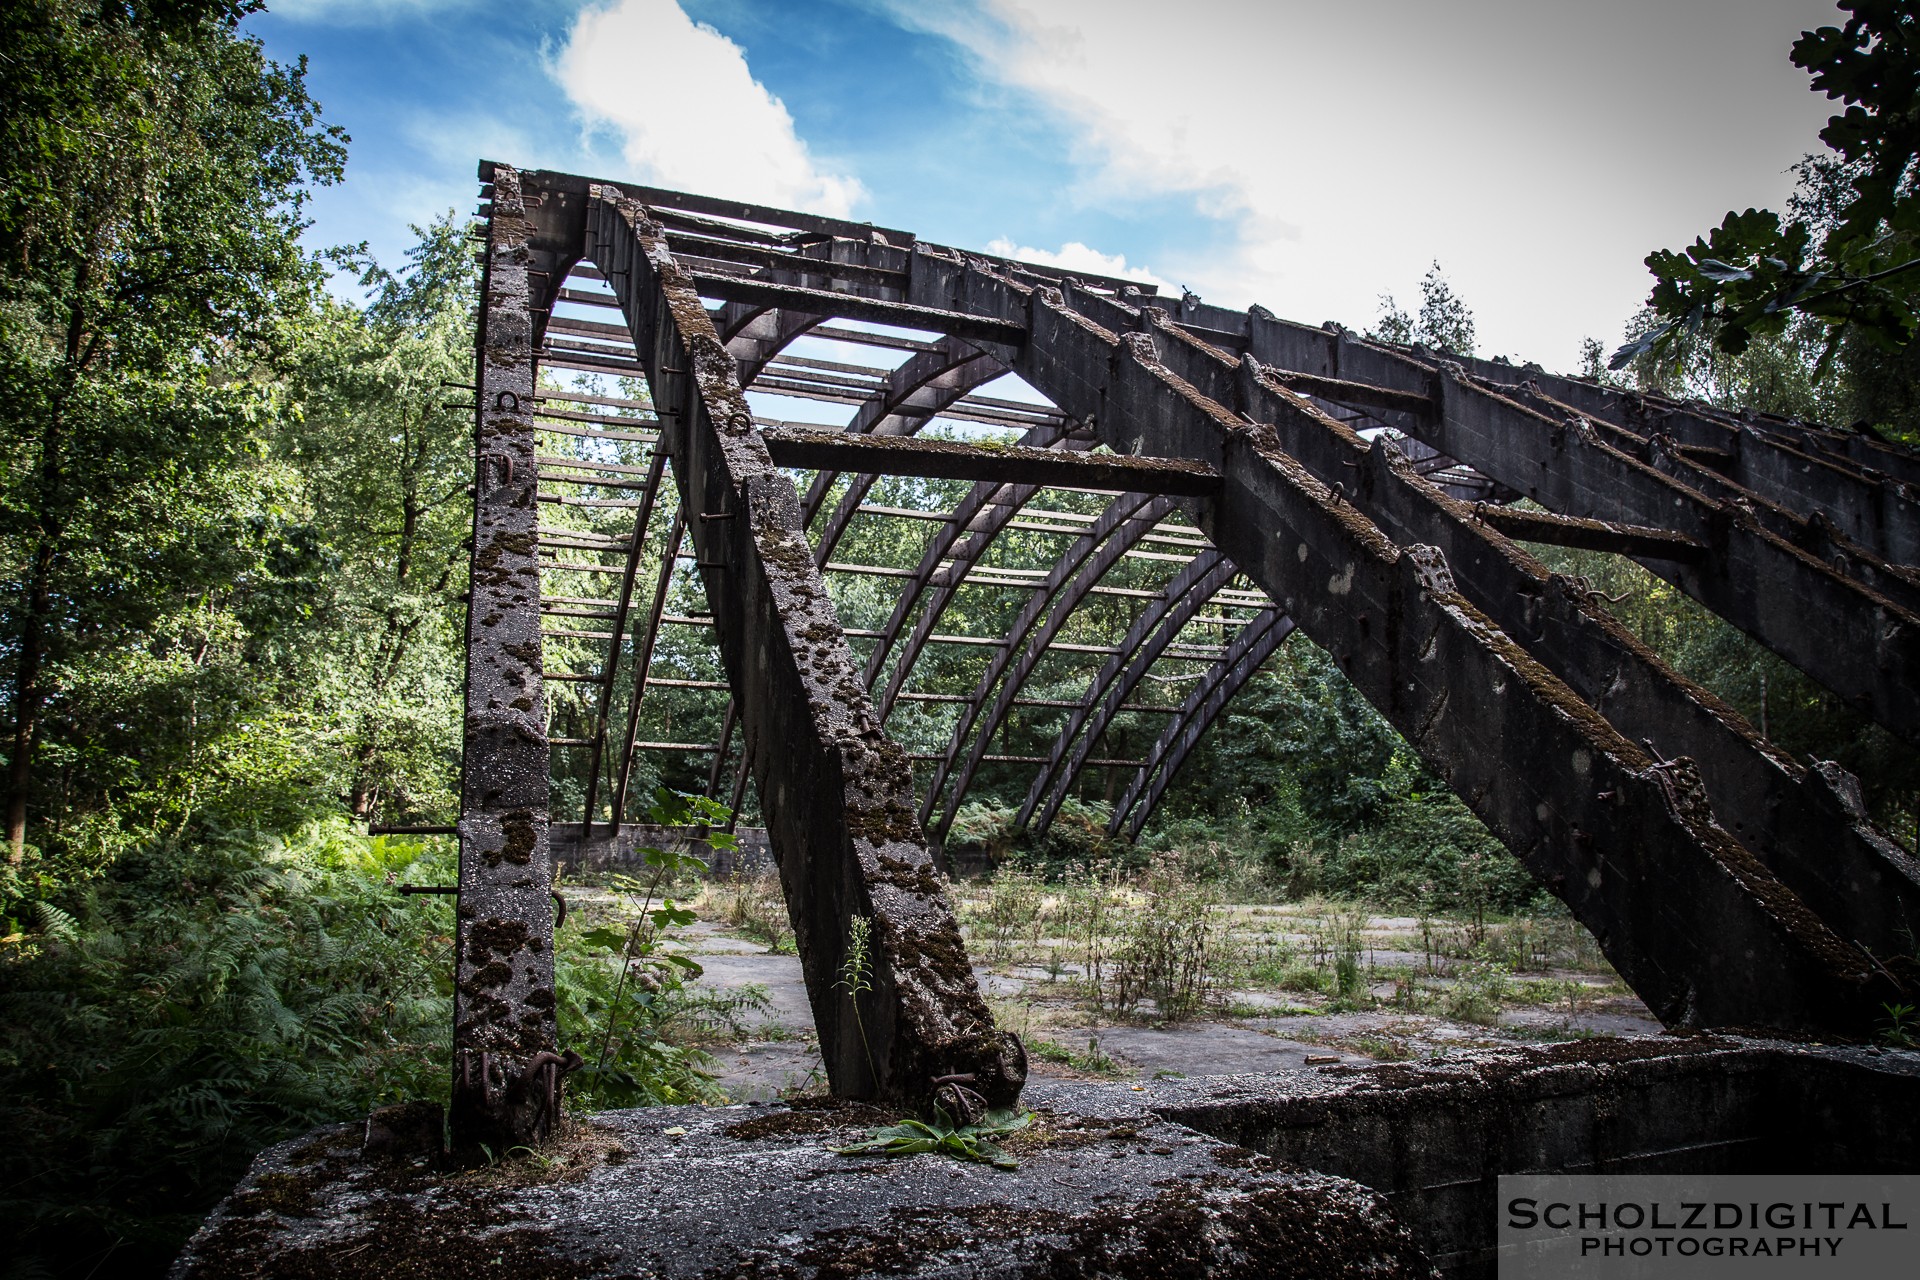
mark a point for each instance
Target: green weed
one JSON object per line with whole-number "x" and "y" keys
{"x": 972, "y": 1142}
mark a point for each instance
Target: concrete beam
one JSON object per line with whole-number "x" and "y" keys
{"x": 1837, "y": 626}
{"x": 1591, "y": 535}
{"x": 823, "y": 302}
{"x": 1002, "y": 463}
{"x": 506, "y": 1072}
{"x": 1808, "y": 826}
{"x": 837, "y": 794}
{"x": 1624, "y": 837}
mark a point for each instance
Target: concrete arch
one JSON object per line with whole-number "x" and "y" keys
{"x": 1126, "y": 520}
{"x": 1249, "y": 649}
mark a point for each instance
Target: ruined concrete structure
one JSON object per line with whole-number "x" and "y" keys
{"x": 1296, "y": 476}
{"x": 1376, "y": 1171}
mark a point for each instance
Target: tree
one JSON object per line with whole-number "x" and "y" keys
{"x": 1845, "y": 257}
{"x": 153, "y": 166}
{"x": 385, "y": 457}
{"x": 1775, "y": 373}
{"x": 1445, "y": 323}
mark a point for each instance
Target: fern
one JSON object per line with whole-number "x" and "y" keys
{"x": 211, "y": 997}
{"x": 55, "y": 924}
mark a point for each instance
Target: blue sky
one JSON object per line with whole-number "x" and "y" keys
{"x": 1307, "y": 156}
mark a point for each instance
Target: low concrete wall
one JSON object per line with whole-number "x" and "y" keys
{"x": 608, "y": 851}
{"x": 1433, "y": 1137}
{"x": 1324, "y": 1172}
{"x": 758, "y": 1193}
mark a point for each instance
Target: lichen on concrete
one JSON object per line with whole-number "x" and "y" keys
{"x": 755, "y": 1193}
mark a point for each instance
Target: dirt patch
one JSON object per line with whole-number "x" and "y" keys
{"x": 781, "y": 1124}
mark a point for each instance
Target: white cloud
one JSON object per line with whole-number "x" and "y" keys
{"x": 1074, "y": 256}
{"x": 689, "y": 113}
{"x": 1537, "y": 148}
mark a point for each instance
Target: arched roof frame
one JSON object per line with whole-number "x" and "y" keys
{"x": 1120, "y": 526}
{"x": 1253, "y": 646}
{"x": 1116, "y": 680}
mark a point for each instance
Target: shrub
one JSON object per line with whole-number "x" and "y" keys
{"x": 1011, "y": 911}
{"x": 624, "y": 991}
{"x": 1078, "y": 834}
{"x": 208, "y": 997}
{"x": 754, "y": 903}
{"x": 1164, "y": 953}
{"x": 214, "y": 994}
{"x": 1428, "y": 851}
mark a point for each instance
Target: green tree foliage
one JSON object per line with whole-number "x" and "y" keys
{"x": 1842, "y": 261}
{"x": 153, "y": 165}
{"x": 1302, "y": 773}
{"x": 1444, "y": 323}
{"x": 1775, "y": 373}
{"x": 383, "y": 452}
{"x": 230, "y": 512}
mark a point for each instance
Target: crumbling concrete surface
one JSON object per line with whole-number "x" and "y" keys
{"x": 1339, "y": 1171}
{"x": 755, "y": 1192}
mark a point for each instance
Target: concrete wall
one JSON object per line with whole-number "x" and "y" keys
{"x": 751, "y": 855}
{"x": 1434, "y": 1137}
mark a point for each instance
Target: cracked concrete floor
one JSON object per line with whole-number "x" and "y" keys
{"x": 1271, "y": 1032}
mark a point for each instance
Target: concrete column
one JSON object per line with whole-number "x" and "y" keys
{"x": 506, "y": 1075}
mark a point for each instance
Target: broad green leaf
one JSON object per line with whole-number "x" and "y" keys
{"x": 606, "y": 938}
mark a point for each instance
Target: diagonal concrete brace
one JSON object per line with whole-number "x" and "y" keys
{"x": 838, "y": 795}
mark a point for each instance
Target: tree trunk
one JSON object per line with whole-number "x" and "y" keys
{"x": 26, "y": 702}
{"x": 28, "y": 697}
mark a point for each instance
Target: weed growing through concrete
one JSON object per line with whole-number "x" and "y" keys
{"x": 1013, "y": 910}
{"x": 856, "y": 978}
{"x": 1164, "y": 955}
{"x": 1094, "y": 1061}
{"x": 754, "y": 904}
{"x": 1162, "y": 943}
{"x": 973, "y": 1142}
{"x": 623, "y": 1010}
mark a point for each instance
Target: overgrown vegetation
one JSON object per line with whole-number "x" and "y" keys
{"x": 1189, "y": 934}
{"x": 752, "y": 903}
{"x": 232, "y": 514}
{"x": 214, "y": 994}
{"x": 625, "y": 991}
{"x": 232, "y": 523}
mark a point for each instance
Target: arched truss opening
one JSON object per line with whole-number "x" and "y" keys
{"x": 1365, "y": 493}
{"x": 893, "y": 383}
{"x": 865, "y": 377}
